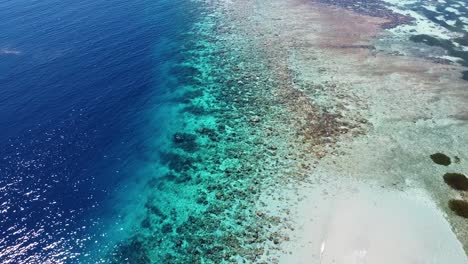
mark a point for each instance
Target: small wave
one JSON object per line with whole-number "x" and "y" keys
{"x": 9, "y": 51}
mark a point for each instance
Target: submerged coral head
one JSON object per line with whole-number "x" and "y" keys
{"x": 457, "y": 181}
{"x": 441, "y": 159}
{"x": 459, "y": 207}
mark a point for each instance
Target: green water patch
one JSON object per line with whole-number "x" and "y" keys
{"x": 441, "y": 159}
{"x": 457, "y": 181}
{"x": 459, "y": 207}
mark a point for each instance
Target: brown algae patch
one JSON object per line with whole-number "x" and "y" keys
{"x": 441, "y": 159}
{"x": 457, "y": 181}
{"x": 459, "y": 207}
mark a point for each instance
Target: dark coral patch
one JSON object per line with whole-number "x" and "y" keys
{"x": 195, "y": 110}
{"x": 133, "y": 251}
{"x": 211, "y": 133}
{"x": 457, "y": 181}
{"x": 181, "y": 178}
{"x": 185, "y": 74}
{"x": 188, "y": 96}
{"x": 176, "y": 162}
{"x": 192, "y": 94}
{"x": 183, "y": 70}
{"x": 441, "y": 159}
{"x": 146, "y": 223}
{"x": 154, "y": 210}
{"x": 459, "y": 207}
{"x": 185, "y": 141}
{"x": 167, "y": 228}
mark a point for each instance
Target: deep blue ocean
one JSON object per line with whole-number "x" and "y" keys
{"x": 81, "y": 82}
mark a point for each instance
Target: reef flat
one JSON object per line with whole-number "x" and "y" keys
{"x": 405, "y": 105}
{"x": 288, "y": 110}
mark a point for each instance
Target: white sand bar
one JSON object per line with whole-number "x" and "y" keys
{"x": 372, "y": 225}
